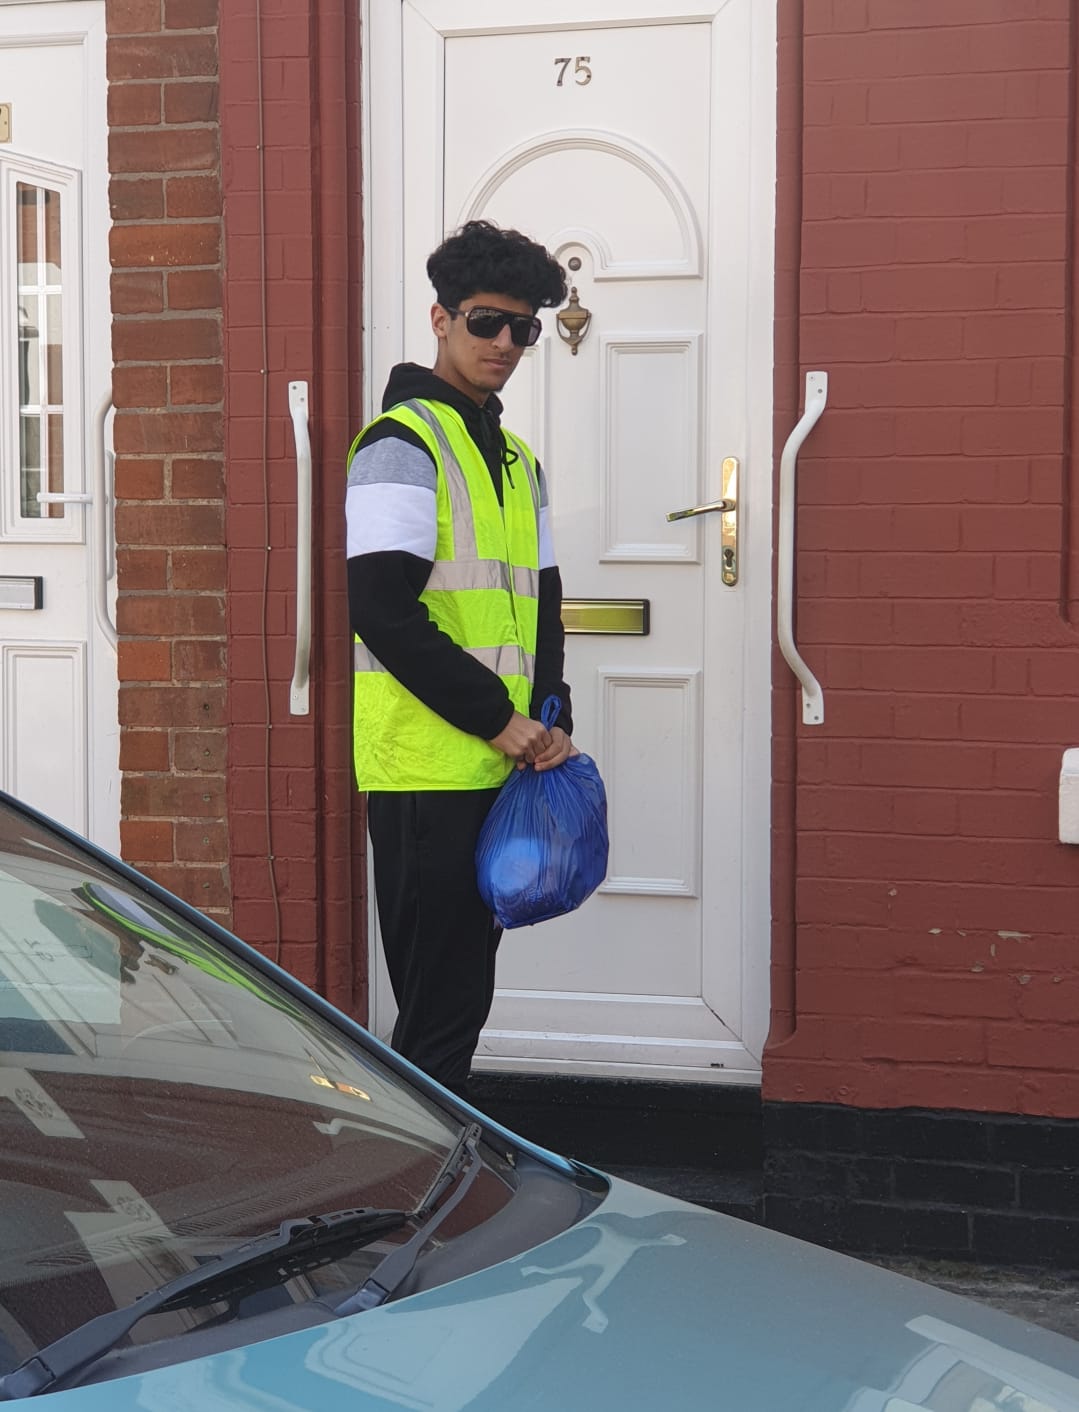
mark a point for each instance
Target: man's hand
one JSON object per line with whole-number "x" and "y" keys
{"x": 558, "y": 752}
{"x": 523, "y": 740}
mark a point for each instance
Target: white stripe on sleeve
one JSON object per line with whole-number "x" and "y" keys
{"x": 389, "y": 516}
{"x": 547, "y": 559}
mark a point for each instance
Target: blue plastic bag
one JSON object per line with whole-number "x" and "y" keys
{"x": 543, "y": 847}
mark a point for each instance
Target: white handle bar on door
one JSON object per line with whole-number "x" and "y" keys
{"x": 99, "y": 539}
{"x": 812, "y": 695}
{"x": 299, "y": 691}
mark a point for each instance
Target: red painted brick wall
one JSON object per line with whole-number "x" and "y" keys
{"x": 165, "y": 246}
{"x": 927, "y": 921}
{"x": 290, "y": 132}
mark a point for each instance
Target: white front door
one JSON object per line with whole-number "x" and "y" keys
{"x": 636, "y": 141}
{"x": 58, "y": 683}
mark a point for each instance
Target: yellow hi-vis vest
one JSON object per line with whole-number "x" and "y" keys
{"x": 482, "y": 592}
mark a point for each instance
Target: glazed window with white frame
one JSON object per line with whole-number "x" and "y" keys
{"x": 41, "y": 348}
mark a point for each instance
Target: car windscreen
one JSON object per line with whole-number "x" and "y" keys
{"x": 161, "y": 1100}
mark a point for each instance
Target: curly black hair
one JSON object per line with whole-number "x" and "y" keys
{"x": 482, "y": 258}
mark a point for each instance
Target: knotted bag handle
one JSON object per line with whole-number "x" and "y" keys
{"x": 551, "y": 710}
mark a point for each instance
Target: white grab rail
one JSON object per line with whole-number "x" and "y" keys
{"x": 299, "y": 691}
{"x": 100, "y": 536}
{"x": 812, "y": 695}
{"x": 104, "y": 524}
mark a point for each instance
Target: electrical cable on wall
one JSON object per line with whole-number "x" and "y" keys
{"x": 265, "y": 466}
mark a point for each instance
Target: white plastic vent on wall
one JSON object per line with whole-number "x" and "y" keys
{"x": 1068, "y": 797}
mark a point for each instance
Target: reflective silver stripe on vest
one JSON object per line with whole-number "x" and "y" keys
{"x": 451, "y": 575}
{"x": 464, "y": 526}
{"x": 526, "y": 582}
{"x": 507, "y": 661}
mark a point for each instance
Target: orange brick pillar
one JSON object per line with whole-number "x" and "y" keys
{"x": 166, "y": 250}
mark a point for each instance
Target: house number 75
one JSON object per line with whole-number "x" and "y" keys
{"x": 580, "y": 68}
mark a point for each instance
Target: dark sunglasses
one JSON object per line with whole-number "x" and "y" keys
{"x": 489, "y": 323}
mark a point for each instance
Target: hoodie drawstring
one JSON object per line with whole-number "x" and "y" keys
{"x": 508, "y": 458}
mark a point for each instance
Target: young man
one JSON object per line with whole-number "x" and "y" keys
{"x": 455, "y": 600}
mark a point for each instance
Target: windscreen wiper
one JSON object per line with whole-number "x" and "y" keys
{"x": 298, "y": 1246}
{"x": 392, "y": 1270}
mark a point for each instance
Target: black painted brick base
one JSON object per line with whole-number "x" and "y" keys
{"x": 984, "y": 1187}
{"x": 989, "y": 1187}
{"x": 622, "y": 1123}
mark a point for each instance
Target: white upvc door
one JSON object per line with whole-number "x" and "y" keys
{"x": 58, "y": 682}
{"x": 636, "y": 141}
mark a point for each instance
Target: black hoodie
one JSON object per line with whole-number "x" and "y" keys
{"x": 384, "y": 589}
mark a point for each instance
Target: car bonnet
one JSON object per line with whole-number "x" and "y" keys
{"x": 648, "y": 1303}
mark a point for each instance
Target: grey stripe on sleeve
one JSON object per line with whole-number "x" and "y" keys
{"x": 542, "y": 486}
{"x": 390, "y": 461}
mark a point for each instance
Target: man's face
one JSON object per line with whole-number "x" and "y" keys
{"x": 476, "y": 366}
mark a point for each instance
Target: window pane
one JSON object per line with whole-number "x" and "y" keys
{"x": 27, "y": 197}
{"x": 52, "y": 233}
{"x": 30, "y": 459}
{"x": 54, "y": 428}
{"x": 54, "y": 353}
{"x": 41, "y": 331}
{"x": 29, "y": 357}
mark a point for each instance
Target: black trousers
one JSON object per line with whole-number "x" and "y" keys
{"x": 438, "y": 935}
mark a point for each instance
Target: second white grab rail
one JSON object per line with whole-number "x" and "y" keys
{"x": 812, "y": 695}
{"x": 104, "y": 523}
{"x": 299, "y": 690}
{"x": 101, "y": 530}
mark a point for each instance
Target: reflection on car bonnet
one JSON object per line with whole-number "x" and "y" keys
{"x": 983, "y": 1374}
{"x": 603, "y": 1262}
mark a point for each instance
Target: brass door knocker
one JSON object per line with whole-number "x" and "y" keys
{"x": 573, "y": 321}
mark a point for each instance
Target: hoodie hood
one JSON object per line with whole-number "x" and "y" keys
{"x": 409, "y": 380}
{"x": 483, "y": 424}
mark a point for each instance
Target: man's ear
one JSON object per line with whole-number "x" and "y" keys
{"x": 440, "y": 321}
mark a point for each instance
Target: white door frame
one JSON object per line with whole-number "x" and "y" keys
{"x": 741, "y": 28}
{"x": 82, "y": 23}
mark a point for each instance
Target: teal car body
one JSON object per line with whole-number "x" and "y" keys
{"x": 167, "y": 1097}
{"x": 648, "y": 1303}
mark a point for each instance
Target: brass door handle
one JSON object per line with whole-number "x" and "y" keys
{"x": 728, "y": 508}
{"x": 724, "y": 506}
